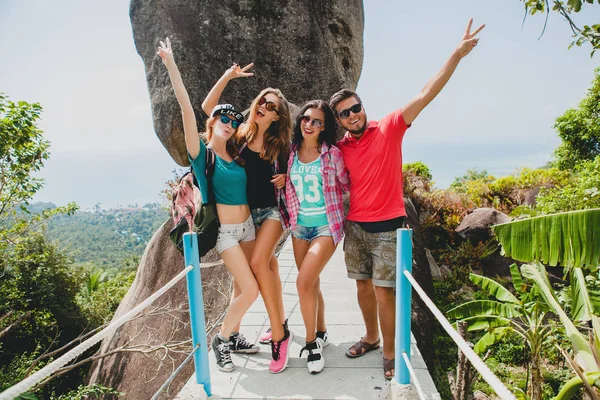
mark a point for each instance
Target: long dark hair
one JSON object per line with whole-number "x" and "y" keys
{"x": 327, "y": 135}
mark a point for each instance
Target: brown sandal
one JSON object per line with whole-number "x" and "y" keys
{"x": 389, "y": 365}
{"x": 361, "y": 348}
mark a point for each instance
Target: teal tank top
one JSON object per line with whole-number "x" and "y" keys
{"x": 308, "y": 183}
{"x": 228, "y": 181}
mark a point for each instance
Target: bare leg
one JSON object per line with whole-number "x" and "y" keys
{"x": 368, "y": 306}
{"x": 316, "y": 257}
{"x": 387, "y": 318}
{"x": 266, "y": 240}
{"x": 321, "y": 308}
{"x": 239, "y": 268}
{"x": 274, "y": 267}
{"x": 234, "y": 294}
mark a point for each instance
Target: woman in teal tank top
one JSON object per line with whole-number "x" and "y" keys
{"x": 236, "y": 233}
{"x": 316, "y": 179}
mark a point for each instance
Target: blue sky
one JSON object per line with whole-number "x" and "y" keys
{"x": 78, "y": 60}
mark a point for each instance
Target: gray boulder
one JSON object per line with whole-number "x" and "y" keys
{"x": 477, "y": 224}
{"x": 530, "y": 197}
{"x": 308, "y": 49}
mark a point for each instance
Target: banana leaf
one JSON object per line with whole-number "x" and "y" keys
{"x": 571, "y": 238}
{"x": 572, "y": 386}
{"x": 583, "y": 352}
{"x": 483, "y": 308}
{"x": 478, "y": 323}
{"x": 494, "y": 288}
{"x": 517, "y": 280}
{"x": 491, "y": 338}
{"x": 582, "y": 307}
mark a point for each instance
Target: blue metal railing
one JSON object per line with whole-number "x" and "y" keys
{"x": 405, "y": 282}
{"x": 196, "y": 302}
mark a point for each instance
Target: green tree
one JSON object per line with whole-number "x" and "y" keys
{"x": 582, "y": 192}
{"x": 460, "y": 184}
{"x": 579, "y": 129}
{"x": 587, "y": 34}
{"x": 38, "y": 282}
{"x": 23, "y": 151}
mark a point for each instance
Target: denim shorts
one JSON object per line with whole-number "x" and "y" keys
{"x": 260, "y": 215}
{"x": 310, "y": 233}
{"x": 232, "y": 234}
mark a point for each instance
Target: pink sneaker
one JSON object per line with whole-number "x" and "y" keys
{"x": 266, "y": 338}
{"x": 280, "y": 353}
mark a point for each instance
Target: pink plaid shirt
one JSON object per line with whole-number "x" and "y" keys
{"x": 335, "y": 181}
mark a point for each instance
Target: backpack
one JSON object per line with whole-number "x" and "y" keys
{"x": 190, "y": 214}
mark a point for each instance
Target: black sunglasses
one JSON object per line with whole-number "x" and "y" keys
{"x": 346, "y": 113}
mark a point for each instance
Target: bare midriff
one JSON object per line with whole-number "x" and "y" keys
{"x": 229, "y": 214}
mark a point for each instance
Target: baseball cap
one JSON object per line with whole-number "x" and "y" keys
{"x": 229, "y": 110}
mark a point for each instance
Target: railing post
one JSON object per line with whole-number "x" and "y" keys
{"x": 403, "y": 300}
{"x": 197, "y": 322}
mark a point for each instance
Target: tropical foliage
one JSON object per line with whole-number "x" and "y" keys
{"x": 508, "y": 315}
{"x": 569, "y": 238}
{"x": 581, "y": 35}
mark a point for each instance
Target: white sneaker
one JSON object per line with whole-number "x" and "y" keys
{"x": 324, "y": 338}
{"x": 315, "y": 361}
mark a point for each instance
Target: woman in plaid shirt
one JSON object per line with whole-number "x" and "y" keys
{"x": 316, "y": 178}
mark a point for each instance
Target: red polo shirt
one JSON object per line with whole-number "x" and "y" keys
{"x": 375, "y": 165}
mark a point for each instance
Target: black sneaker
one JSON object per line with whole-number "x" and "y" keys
{"x": 222, "y": 353}
{"x": 266, "y": 338}
{"x": 239, "y": 344}
{"x": 323, "y": 337}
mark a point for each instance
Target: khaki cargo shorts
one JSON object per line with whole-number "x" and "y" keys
{"x": 370, "y": 255}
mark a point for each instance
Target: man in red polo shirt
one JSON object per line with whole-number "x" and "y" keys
{"x": 372, "y": 153}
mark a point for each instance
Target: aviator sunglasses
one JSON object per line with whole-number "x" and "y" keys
{"x": 346, "y": 113}
{"x": 305, "y": 119}
{"x": 234, "y": 123}
{"x": 269, "y": 105}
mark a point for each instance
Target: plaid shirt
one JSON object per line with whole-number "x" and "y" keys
{"x": 335, "y": 181}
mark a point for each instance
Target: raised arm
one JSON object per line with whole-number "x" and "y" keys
{"x": 212, "y": 99}
{"x": 435, "y": 85}
{"x": 190, "y": 127}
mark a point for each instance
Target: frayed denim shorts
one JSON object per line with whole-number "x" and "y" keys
{"x": 310, "y": 233}
{"x": 260, "y": 215}
{"x": 232, "y": 234}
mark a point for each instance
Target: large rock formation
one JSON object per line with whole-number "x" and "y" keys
{"x": 308, "y": 49}
{"x": 166, "y": 321}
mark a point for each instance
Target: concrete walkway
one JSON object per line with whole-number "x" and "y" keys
{"x": 342, "y": 378}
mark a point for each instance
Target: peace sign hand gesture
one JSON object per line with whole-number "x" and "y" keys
{"x": 165, "y": 52}
{"x": 236, "y": 72}
{"x": 469, "y": 41}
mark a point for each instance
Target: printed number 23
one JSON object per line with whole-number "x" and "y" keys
{"x": 312, "y": 188}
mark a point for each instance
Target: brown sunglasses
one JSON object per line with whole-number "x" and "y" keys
{"x": 269, "y": 105}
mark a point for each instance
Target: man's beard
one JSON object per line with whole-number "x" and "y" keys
{"x": 360, "y": 131}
